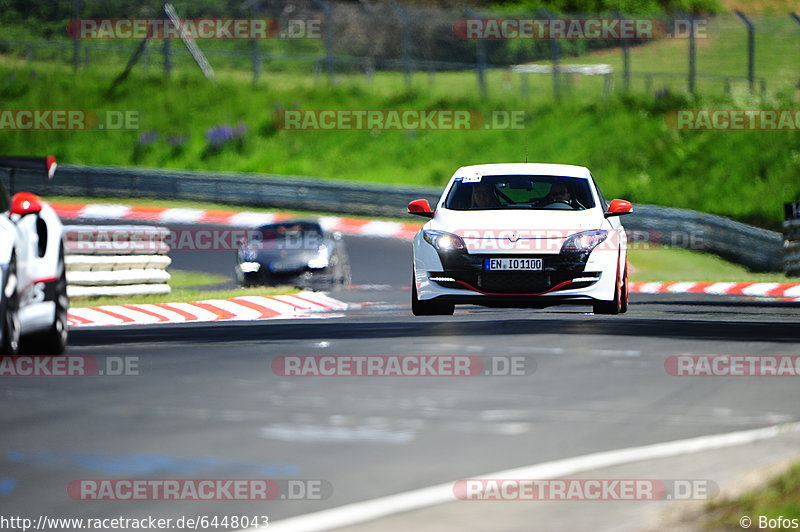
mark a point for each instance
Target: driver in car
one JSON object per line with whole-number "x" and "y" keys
{"x": 559, "y": 192}
{"x": 483, "y": 196}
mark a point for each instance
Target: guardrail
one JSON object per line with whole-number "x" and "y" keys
{"x": 115, "y": 260}
{"x": 791, "y": 245}
{"x": 756, "y": 248}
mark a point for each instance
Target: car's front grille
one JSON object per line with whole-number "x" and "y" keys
{"x": 510, "y": 282}
{"x": 518, "y": 282}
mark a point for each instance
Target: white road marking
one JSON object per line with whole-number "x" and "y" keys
{"x": 365, "y": 511}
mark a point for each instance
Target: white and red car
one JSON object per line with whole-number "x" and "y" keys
{"x": 520, "y": 235}
{"x": 33, "y": 301}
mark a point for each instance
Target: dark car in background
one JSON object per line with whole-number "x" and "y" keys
{"x": 298, "y": 252}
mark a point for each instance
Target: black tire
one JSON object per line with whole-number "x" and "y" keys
{"x": 428, "y": 308}
{"x": 623, "y": 307}
{"x": 9, "y": 318}
{"x": 346, "y": 280}
{"x": 54, "y": 341}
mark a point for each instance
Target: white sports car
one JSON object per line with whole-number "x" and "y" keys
{"x": 33, "y": 301}
{"x": 520, "y": 235}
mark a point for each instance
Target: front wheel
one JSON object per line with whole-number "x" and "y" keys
{"x": 54, "y": 341}
{"x": 428, "y": 308}
{"x": 623, "y": 308}
{"x": 9, "y": 317}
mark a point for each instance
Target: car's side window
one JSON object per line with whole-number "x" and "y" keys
{"x": 5, "y": 203}
{"x": 41, "y": 230}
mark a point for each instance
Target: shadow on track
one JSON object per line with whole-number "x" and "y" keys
{"x": 663, "y": 327}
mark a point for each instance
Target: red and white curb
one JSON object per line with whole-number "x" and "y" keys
{"x": 782, "y": 290}
{"x": 348, "y": 226}
{"x": 245, "y": 308}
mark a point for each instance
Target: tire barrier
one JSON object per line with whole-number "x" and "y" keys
{"x": 111, "y": 260}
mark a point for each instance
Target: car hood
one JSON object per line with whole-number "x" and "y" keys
{"x": 532, "y": 231}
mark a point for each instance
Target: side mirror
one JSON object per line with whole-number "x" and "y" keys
{"x": 420, "y": 207}
{"x": 619, "y": 207}
{"x": 50, "y": 165}
{"x": 25, "y": 203}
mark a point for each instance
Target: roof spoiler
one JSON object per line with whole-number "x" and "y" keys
{"x": 44, "y": 164}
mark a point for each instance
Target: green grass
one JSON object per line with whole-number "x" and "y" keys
{"x": 745, "y": 175}
{"x": 780, "y": 498}
{"x": 186, "y": 287}
{"x": 182, "y": 279}
{"x": 660, "y": 264}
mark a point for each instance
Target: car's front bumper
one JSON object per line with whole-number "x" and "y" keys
{"x": 305, "y": 278}
{"x": 459, "y": 277}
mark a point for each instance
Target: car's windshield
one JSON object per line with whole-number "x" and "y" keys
{"x": 291, "y": 231}
{"x": 498, "y": 192}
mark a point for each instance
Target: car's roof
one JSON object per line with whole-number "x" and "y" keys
{"x": 290, "y": 222}
{"x": 566, "y": 170}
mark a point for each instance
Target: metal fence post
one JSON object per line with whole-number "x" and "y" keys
{"x": 555, "y": 57}
{"x": 406, "y": 32}
{"x": 626, "y": 58}
{"x": 167, "y": 51}
{"x": 692, "y": 54}
{"x": 751, "y": 50}
{"x": 480, "y": 49}
{"x": 795, "y": 17}
{"x": 76, "y": 41}
{"x": 256, "y": 55}
{"x": 328, "y": 37}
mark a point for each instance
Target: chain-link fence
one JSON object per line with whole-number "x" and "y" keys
{"x": 427, "y": 46}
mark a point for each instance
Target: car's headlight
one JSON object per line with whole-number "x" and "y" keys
{"x": 249, "y": 267}
{"x": 321, "y": 260}
{"x": 585, "y": 241}
{"x": 443, "y": 241}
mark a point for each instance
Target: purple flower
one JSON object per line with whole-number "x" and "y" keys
{"x": 219, "y": 135}
{"x": 148, "y": 137}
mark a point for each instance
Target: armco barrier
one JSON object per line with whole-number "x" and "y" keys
{"x": 756, "y": 248}
{"x": 113, "y": 260}
{"x": 791, "y": 239}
